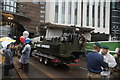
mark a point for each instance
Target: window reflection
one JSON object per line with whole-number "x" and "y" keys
{"x": 9, "y": 5}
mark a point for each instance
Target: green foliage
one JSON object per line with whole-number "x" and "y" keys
{"x": 112, "y": 45}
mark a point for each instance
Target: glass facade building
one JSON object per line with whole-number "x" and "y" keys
{"x": 115, "y": 21}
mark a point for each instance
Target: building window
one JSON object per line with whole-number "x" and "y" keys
{"x": 42, "y": 2}
{"x": 88, "y": 13}
{"x": 81, "y": 13}
{"x": 98, "y": 14}
{"x": 114, "y": 5}
{"x": 75, "y": 17}
{"x": 11, "y": 9}
{"x": 7, "y": 8}
{"x": 116, "y": 16}
{"x": 42, "y": 11}
{"x": 104, "y": 15}
{"x": 4, "y": 2}
{"x": 9, "y": 5}
{"x": 15, "y": 5}
{"x": 56, "y": 12}
{"x": 14, "y": 10}
{"x": 12, "y": 3}
{"x": 4, "y": 8}
{"x": 42, "y": 7}
{"x": 63, "y": 11}
{"x": 93, "y": 14}
{"x": 42, "y": 16}
{"x": 69, "y": 11}
{"x": 42, "y": 21}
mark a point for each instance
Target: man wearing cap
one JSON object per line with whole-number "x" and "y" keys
{"x": 108, "y": 58}
{"x": 95, "y": 62}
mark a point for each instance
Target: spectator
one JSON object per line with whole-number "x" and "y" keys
{"x": 25, "y": 56}
{"x": 108, "y": 58}
{"x": 8, "y": 63}
{"x": 95, "y": 61}
{"x": 82, "y": 42}
{"x": 117, "y": 57}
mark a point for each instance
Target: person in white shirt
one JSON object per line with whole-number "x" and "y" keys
{"x": 108, "y": 58}
{"x": 117, "y": 57}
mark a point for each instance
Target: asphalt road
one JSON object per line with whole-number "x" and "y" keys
{"x": 39, "y": 70}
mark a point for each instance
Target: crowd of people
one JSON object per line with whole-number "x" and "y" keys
{"x": 100, "y": 60}
{"x": 11, "y": 51}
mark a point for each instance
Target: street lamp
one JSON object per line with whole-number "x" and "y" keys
{"x": 10, "y": 18}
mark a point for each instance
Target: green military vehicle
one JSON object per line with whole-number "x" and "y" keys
{"x": 59, "y": 51}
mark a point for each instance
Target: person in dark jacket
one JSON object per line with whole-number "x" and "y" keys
{"x": 8, "y": 63}
{"x": 82, "y": 42}
{"x": 95, "y": 62}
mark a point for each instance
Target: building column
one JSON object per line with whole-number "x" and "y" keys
{"x": 107, "y": 17}
{"x": 84, "y": 13}
{"x": 60, "y": 11}
{"x": 50, "y": 8}
{"x": 72, "y": 12}
{"x": 101, "y": 13}
{"x": 66, "y": 12}
{"x": 79, "y": 14}
{"x": 96, "y": 14}
{"x": 90, "y": 13}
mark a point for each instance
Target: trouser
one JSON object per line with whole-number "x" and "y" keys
{"x": 7, "y": 68}
{"x": 26, "y": 68}
{"x": 92, "y": 75}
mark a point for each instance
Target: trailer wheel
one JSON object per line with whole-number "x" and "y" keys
{"x": 55, "y": 64}
{"x": 45, "y": 61}
{"x": 41, "y": 59}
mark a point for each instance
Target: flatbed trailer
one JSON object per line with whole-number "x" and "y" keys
{"x": 50, "y": 59}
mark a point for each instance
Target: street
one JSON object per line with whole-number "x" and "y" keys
{"x": 61, "y": 71}
{"x": 39, "y": 70}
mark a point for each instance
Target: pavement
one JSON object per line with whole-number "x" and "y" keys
{"x": 0, "y": 71}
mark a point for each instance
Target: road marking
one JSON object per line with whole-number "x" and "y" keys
{"x": 83, "y": 68}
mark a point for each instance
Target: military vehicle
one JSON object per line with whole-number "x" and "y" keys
{"x": 59, "y": 50}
